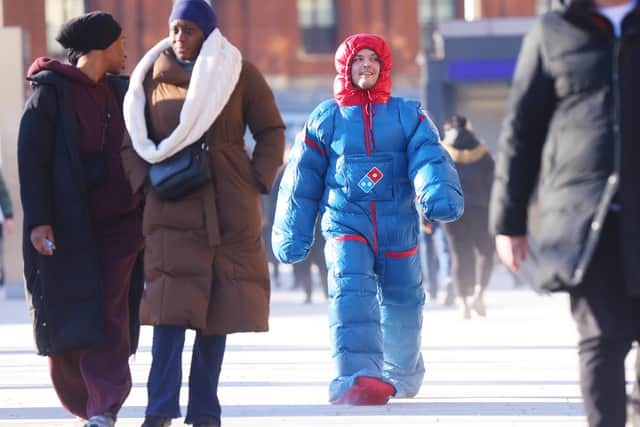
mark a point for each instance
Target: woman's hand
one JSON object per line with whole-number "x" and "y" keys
{"x": 42, "y": 239}
{"x": 512, "y": 250}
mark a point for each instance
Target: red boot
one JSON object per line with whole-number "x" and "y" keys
{"x": 367, "y": 391}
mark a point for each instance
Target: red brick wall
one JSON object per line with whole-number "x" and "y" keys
{"x": 267, "y": 33}
{"x": 28, "y": 14}
{"x": 499, "y": 8}
{"x": 144, "y": 23}
{"x": 270, "y": 37}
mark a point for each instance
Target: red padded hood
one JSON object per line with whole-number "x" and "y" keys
{"x": 344, "y": 91}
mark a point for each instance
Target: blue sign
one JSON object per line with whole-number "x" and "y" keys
{"x": 480, "y": 70}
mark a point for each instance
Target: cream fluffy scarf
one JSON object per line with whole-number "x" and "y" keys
{"x": 214, "y": 77}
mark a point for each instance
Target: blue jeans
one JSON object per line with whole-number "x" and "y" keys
{"x": 165, "y": 376}
{"x": 436, "y": 260}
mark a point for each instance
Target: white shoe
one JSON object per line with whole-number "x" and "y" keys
{"x": 479, "y": 307}
{"x": 104, "y": 420}
{"x": 464, "y": 308}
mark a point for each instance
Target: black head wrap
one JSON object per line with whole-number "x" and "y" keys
{"x": 458, "y": 133}
{"x": 93, "y": 31}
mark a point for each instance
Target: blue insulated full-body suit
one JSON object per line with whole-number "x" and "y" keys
{"x": 361, "y": 162}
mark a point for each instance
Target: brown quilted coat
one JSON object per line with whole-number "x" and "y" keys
{"x": 205, "y": 263}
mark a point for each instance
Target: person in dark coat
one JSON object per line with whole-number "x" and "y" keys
{"x": 302, "y": 271}
{"x": 6, "y": 221}
{"x": 437, "y": 262}
{"x": 573, "y": 131}
{"x": 470, "y": 243}
{"x": 82, "y": 225}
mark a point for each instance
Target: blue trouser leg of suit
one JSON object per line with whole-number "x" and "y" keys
{"x": 354, "y": 314}
{"x": 165, "y": 376}
{"x": 401, "y": 302}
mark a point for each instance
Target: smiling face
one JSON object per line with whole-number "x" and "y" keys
{"x": 365, "y": 69}
{"x": 186, "y": 39}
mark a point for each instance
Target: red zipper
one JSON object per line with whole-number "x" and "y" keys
{"x": 375, "y": 226}
{"x": 367, "y": 117}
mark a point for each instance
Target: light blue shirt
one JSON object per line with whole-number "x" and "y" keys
{"x": 616, "y": 14}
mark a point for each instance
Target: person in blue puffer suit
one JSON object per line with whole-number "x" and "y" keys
{"x": 360, "y": 162}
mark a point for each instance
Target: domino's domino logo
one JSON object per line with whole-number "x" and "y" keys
{"x": 370, "y": 180}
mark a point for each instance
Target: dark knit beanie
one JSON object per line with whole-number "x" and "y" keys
{"x": 197, "y": 11}
{"x": 456, "y": 121}
{"x": 93, "y": 31}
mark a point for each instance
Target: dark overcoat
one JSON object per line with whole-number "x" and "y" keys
{"x": 64, "y": 291}
{"x": 572, "y": 130}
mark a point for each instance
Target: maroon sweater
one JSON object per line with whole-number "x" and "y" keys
{"x": 113, "y": 207}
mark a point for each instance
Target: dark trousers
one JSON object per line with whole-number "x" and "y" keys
{"x": 97, "y": 380}
{"x": 437, "y": 260}
{"x": 608, "y": 322}
{"x": 472, "y": 248}
{"x": 165, "y": 376}
{"x": 302, "y": 269}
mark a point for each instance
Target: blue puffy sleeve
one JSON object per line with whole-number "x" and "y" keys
{"x": 301, "y": 189}
{"x": 431, "y": 170}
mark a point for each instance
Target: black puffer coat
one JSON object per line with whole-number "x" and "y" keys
{"x": 573, "y": 129}
{"x": 64, "y": 291}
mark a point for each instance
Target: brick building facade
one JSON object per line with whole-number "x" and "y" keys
{"x": 270, "y": 34}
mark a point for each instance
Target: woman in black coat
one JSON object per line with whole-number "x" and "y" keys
{"x": 82, "y": 225}
{"x": 470, "y": 243}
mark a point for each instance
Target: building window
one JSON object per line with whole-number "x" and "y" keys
{"x": 543, "y": 6}
{"x": 57, "y": 12}
{"x": 436, "y": 10}
{"x": 429, "y": 13}
{"x": 317, "y": 20}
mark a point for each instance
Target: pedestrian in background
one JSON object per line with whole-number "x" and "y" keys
{"x": 82, "y": 224}
{"x": 302, "y": 271}
{"x": 470, "y": 243}
{"x": 6, "y": 220}
{"x": 205, "y": 263}
{"x": 362, "y": 160}
{"x": 437, "y": 262}
{"x": 572, "y": 129}
{"x": 268, "y": 212}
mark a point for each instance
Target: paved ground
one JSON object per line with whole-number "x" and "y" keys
{"x": 517, "y": 367}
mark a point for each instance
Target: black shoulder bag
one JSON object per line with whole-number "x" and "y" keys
{"x": 183, "y": 173}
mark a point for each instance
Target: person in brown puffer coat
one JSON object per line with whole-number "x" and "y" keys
{"x": 470, "y": 243}
{"x": 205, "y": 262}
